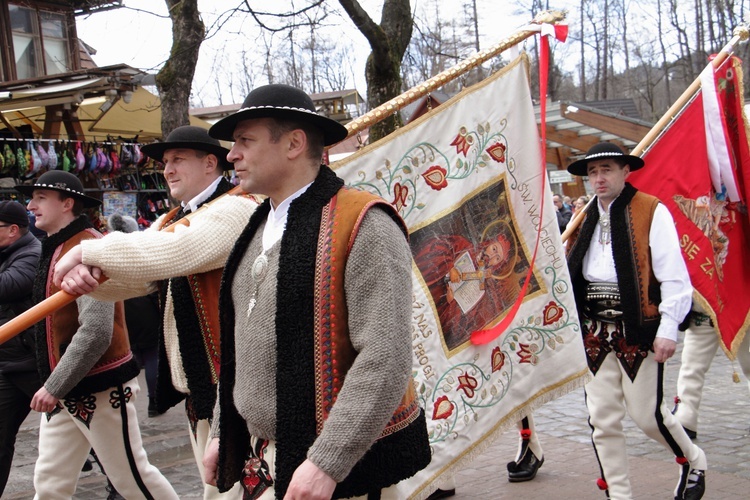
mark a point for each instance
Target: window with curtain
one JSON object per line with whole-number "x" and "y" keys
{"x": 40, "y": 42}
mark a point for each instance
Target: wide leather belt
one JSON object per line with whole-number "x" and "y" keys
{"x": 603, "y": 301}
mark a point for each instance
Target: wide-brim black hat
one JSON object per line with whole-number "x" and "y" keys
{"x": 59, "y": 180}
{"x": 189, "y": 137}
{"x": 601, "y": 151}
{"x": 279, "y": 101}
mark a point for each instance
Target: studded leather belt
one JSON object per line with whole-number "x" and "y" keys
{"x": 603, "y": 302}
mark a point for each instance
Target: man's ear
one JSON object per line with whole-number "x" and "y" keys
{"x": 297, "y": 141}
{"x": 212, "y": 162}
{"x": 68, "y": 204}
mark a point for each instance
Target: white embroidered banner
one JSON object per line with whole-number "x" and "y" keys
{"x": 467, "y": 179}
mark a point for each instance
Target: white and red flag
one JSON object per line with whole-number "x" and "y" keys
{"x": 700, "y": 169}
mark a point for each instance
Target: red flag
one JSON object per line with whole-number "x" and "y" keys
{"x": 713, "y": 230}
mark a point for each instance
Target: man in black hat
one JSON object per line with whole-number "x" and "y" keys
{"x": 315, "y": 396}
{"x": 19, "y": 379}
{"x": 632, "y": 290}
{"x": 85, "y": 365}
{"x": 186, "y": 267}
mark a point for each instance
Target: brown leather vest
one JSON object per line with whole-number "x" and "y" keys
{"x": 334, "y": 353}
{"x": 63, "y": 323}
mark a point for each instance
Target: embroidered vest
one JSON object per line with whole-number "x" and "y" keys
{"x": 116, "y": 365}
{"x": 631, "y": 215}
{"x": 326, "y": 219}
{"x": 196, "y": 307}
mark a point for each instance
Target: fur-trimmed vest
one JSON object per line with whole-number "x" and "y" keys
{"x": 196, "y": 307}
{"x": 54, "y": 333}
{"x": 306, "y": 386}
{"x": 631, "y": 215}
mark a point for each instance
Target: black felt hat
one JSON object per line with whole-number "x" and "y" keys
{"x": 601, "y": 151}
{"x": 279, "y": 101}
{"x": 59, "y": 180}
{"x": 189, "y": 137}
{"x": 12, "y": 212}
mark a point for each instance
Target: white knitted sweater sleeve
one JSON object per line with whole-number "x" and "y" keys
{"x": 148, "y": 256}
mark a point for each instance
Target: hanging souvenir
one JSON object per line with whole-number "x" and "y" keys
{"x": 36, "y": 161}
{"x": 90, "y": 158}
{"x": 52, "y": 156}
{"x": 66, "y": 163}
{"x": 21, "y": 163}
{"x": 10, "y": 159}
{"x": 115, "y": 160}
{"x": 43, "y": 156}
{"x": 29, "y": 159}
{"x": 80, "y": 159}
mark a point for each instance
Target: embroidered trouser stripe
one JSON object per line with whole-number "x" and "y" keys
{"x": 527, "y": 423}
{"x": 608, "y": 395}
{"x": 111, "y": 428}
{"x": 126, "y": 441}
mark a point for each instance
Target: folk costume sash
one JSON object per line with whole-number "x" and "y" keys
{"x": 55, "y": 332}
{"x": 321, "y": 227}
{"x": 631, "y": 214}
{"x": 195, "y": 299}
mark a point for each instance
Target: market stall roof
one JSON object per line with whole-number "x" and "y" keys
{"x": 134, "y": 113}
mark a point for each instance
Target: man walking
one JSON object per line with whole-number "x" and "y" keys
{"x": 632, "y": 290}
{"x": 315, "y": 398}
{"x": 186, "y": 266}
{"x": 19, "y": 379}
{"x": 85, "y": 365}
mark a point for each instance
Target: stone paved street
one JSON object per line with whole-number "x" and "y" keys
{"x": 569, "y": 471}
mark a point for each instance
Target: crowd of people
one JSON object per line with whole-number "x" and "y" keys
{"x": 292, "y": 352}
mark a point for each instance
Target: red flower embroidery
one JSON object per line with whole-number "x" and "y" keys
{"x": 467, "y": 383}
{"x": 497, "y": 152}
{"x": 443, "y": 408}
{"x": 525, "y": 354}
{"x": 552, "y": 313}
{"x": 498, "y": 359}
{"x": 462, "y": 142}
{"x": 435, "y": 177}
{"x": 399, "y": 196}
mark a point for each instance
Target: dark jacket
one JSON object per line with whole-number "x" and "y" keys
{"x": 18, "y": 265}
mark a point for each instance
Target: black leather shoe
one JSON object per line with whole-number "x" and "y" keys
{"x": 438, "y": 493}
{"x": 696, "y": 486}
{"x": 526, "y": 469}
{"x": 691, "y": 434}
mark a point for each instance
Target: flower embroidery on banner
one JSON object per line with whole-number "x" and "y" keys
{"x": 435, "y": 177}
{"x": 525, "y": 353}
{"x": 400, "y": 193}
{"x": 498, "y": 359}
{"x": 497, "y": 152}
{"x": 462, "y": 141}
{"x": 552, "y": 313}
{"x": 442, "y": 409}
{"x": 467, "y": 383}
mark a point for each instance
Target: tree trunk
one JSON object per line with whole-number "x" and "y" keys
{"x": 388, "y": 42}
{"x": 175, "y": 79}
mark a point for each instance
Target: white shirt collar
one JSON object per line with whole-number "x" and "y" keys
{"x": 202, "y": 196}
{"x": 276, "y": 222}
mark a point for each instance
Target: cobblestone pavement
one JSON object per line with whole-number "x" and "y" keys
{"x": 569, "y": 471}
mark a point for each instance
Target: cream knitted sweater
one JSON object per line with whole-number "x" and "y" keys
{"x": 134, "y": 262}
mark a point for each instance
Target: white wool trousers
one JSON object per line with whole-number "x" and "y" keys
{"x": 609, "y": 395}
{"x": 200, "y": 439}
{"x": 107, "y": 422}
{"x": 534, "y": 445}
{"x": 698, "y": 352}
